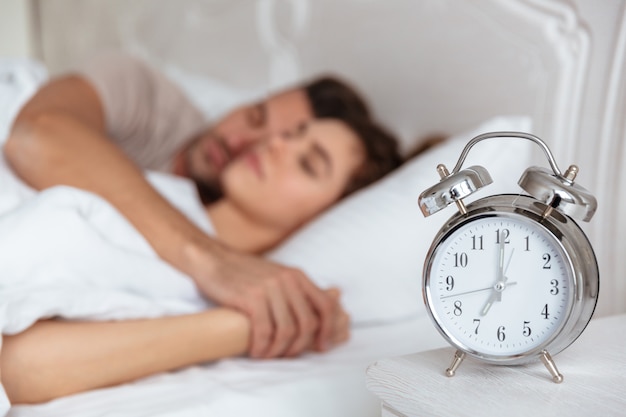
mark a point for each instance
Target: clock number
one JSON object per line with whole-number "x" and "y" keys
{"x": 506, "y": 233}
{"x": 546, "y": 257}
{"x": 460, "y": 260}
{"x": 527, "y": 239}
{"x": 457, "y": 308}
{"x": 478, "y": 240}
{"x": 477, "y": 323}
{"x": 555, "y": 287}
{"x": 526, "y": 330}
{"x": 544, "y": 312}
{"x": 501, "y": 335}
{"x": 449, "y": 283}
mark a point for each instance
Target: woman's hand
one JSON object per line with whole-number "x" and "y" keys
{"x": 286, "y": 310}
{"x": 340, "y": 329}
{"x": 341, "y": 320}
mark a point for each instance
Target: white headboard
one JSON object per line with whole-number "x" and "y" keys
{"x": 428, "y": 66}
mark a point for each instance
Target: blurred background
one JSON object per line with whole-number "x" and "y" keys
{"x": 403, "y": 54}
{"x": 16, "y": 24}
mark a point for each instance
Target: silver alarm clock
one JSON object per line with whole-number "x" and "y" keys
{"x": 510, "y": 278}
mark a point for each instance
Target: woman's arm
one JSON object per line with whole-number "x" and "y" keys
{"x": 57, "y": 358}
{"x": 54, "y": 358}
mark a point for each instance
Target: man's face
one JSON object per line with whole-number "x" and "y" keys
{"x": 205, "y": 157}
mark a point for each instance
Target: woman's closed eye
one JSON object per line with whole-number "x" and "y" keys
{"x": 316, "y": 162}
{"x": 307, "y": 166}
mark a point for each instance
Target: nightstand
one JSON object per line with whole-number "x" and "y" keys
{"x": 594, "y": 370}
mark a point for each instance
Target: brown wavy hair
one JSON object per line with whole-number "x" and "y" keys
{"x": 381, "y": 152}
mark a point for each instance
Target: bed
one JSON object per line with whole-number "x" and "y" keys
{"x": 554, "y": 68}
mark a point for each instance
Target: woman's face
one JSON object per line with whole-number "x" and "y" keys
{"x": 287, "y": 179}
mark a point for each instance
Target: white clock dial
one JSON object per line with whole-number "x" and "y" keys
{"x": 500, "y": 285}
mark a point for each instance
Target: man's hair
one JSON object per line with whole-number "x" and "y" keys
{"x": 331, "y": 97}
{"x": 381, "y": 153}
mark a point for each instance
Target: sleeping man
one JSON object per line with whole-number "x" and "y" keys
{"x": 100, "y": 128}
{"x": 269, "y": 190}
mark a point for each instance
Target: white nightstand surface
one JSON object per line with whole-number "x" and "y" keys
{"x": 594, "y": 370}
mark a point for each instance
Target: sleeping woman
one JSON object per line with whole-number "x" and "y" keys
{"x": 269, "y": 192}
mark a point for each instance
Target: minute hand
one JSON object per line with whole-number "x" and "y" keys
{"x": 504, "y": 277}
{"x": 495, "y": 295}
{"x": 470, "y": 292}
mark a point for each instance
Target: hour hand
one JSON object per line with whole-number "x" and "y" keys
{"x": 500, "y": 285}
{"x": 492, "y": 298}
{"x": 496, "y": 295}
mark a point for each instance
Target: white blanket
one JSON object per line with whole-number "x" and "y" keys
{"x": 71, "y": 255}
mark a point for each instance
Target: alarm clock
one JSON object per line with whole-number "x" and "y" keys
{"x": 510, "y": 278}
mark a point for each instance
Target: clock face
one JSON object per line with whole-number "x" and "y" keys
{"x": 499, "y": 285}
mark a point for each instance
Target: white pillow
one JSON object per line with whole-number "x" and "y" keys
{"x": 373, "y": 245}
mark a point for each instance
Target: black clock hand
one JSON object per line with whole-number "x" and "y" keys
{"x": 504, "y": 277}
{"x": 470, "y": 292}
{"x": 500, "y": 284}
{"x": 499, "y": 276}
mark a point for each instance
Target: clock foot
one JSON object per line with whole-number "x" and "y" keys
{"x": 458, "y": 358}
{"x": 557, "y": 377}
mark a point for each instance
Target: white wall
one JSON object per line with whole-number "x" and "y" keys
{"x": 15, "y": 29}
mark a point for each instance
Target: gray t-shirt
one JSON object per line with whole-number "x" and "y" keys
{"x": 145, "y": 113}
